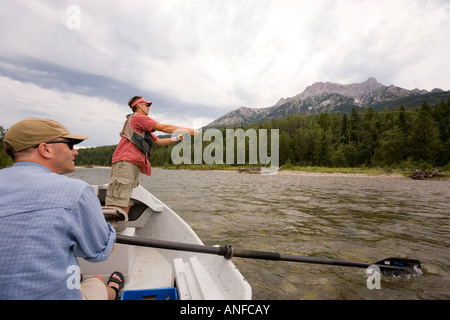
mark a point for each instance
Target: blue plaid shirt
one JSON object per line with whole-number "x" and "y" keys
{"x": 46, "y": 221}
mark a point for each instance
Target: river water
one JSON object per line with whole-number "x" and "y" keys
{"x": 339, "y": 217}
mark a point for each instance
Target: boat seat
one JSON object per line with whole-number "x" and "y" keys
{"x": 136, "y": 211}
{"x": 193, "y": 281}
{"x": 115, "y": 216}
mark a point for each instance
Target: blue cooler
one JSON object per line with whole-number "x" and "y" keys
{"x": 150, "y": 294}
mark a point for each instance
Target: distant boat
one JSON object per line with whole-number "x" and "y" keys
{"x": 149, "y": 272}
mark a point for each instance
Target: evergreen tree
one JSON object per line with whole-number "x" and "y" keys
{"x": 344, "y": 130}
{"x": 423, "y": 141}
{"x": 391, "y": 148}
{"x": 5, "y": 159}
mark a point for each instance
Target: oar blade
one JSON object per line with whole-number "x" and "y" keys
{"x": 399, "y": 267}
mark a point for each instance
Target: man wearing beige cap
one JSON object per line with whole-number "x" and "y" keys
{"x": 47, "y": 220}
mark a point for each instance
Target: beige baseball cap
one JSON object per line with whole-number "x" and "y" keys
{"x": 32, "y": 131}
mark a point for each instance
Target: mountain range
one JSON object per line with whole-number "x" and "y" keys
{"x": 334, "y": 97}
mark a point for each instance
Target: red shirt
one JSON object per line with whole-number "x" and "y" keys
{"x": 128, "y": 151}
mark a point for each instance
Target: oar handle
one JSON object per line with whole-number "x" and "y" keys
{"x": 252, "y": 254}
{"x": 170, "y": 245}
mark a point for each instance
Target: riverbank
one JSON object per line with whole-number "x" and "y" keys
{"x": 326, "y": 171}
{"x": 308, "y": 171}
{"x": 344, "y": 174}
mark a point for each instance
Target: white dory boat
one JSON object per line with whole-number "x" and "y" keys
{"x": 160, "y": 273}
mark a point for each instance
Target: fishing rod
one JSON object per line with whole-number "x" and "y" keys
{"x": 389, "y": 266}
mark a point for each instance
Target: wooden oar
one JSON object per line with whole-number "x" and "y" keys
{"x": 389, "y": 266}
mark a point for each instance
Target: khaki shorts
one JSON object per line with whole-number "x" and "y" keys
{"x": 124, "y": 178}
{"x": 93, "y": 289}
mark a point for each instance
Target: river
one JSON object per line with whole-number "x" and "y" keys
{"x": 341, "y": 217}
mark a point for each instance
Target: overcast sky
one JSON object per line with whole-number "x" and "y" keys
{"x": 197, "y": 60}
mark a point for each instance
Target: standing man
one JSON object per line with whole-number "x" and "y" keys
{"x": 130, "y": 157}
{"x": 47, "y": 220}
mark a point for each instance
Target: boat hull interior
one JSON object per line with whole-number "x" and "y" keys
{"x": 196, "y": 276}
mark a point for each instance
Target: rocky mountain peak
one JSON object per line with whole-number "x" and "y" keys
{"x": 371, "y": 82}
{"x": 326, "y": 96}
{"x": 355, "y": 90}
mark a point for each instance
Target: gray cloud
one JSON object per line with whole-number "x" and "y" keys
{"x": 198, "y": 60}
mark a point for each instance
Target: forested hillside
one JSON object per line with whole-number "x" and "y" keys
{"x": 386, "y": 138}
{"x": 397, "y": 138}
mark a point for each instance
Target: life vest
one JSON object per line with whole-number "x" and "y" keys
{"x": 144, "y": 140}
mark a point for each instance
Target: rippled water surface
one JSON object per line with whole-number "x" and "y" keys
{"x": 350, "y": 218}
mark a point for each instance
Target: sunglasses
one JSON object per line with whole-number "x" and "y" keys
{"x": 69, "y": 143}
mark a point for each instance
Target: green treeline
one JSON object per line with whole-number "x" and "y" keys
{"x": 397, "y": 138}
{"x": 99, "y": 156}
{"x": 415, "y": 138}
